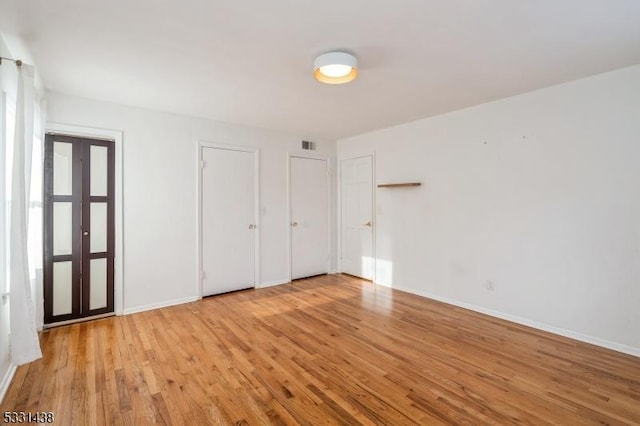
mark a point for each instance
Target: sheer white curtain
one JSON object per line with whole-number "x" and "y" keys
{"x": 35, "y": 231}
{"x": 25, "y": 346}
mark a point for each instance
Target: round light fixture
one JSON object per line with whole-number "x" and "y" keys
{"x": 335, "y": 68}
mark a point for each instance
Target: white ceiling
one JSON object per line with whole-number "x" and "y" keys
{"x": 249, "y": 61}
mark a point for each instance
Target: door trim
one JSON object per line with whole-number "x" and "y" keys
{"x": 201, "y": 144}
{"x": 371, "y": 154}
{"x": 117, "y": 137}
{"x": 313, "y": 156}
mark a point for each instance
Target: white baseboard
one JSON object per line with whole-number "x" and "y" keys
{"x": 619, "y": 347}
{"x": 272, "y": 283}
{"x": 151, "y": 306}
{"x": 6, "y": 381}
{"x": 142, "y": 308}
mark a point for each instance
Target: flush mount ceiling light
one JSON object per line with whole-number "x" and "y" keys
{"x": 335, "y": 68}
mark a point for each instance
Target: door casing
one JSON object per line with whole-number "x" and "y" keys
{"x": 117, "y": 137}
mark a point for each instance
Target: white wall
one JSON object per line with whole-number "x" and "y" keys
{"x": 160, "y": 176}
{"x": 537, "y": 193}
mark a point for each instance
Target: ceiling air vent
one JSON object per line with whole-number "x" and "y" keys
{"x": 309, "y": 146}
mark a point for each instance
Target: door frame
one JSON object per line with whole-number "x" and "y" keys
{"x": 201, "y": 144}
{"x": 117, "y": 137}
{"x": 312, "y": 156}
{"x": 371, "y": 154}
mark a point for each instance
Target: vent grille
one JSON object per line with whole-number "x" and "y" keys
{"x": 308, "y": 145}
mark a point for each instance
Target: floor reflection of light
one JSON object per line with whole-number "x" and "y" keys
{"x": 376, "y": 298}
{"x": 282, "y": 303}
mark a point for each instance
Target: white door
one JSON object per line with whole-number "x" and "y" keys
{"x": 228, "y": 220}
{"x": 357, "y": 217}
{"x": 309, "y": 203}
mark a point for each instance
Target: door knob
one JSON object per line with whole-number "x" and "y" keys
{"x": 294, "y": 223}
{"x": 85, "y": 233}
{"x": 251, "y": 226}
{"x": 368, "y": 223}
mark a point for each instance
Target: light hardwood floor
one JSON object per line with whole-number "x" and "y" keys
{"x": 327, "y": 350}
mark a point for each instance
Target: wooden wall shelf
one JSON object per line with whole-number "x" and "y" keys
{"x": 399, "y": 185}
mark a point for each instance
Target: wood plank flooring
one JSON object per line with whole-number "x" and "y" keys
{"x": 327, "y": 350}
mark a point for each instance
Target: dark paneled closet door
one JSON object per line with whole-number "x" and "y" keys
{"x": 79, "y": 232}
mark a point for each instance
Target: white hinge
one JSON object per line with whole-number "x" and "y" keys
{"x": 202, "y": 275}
{"x": 202, "y": 164}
